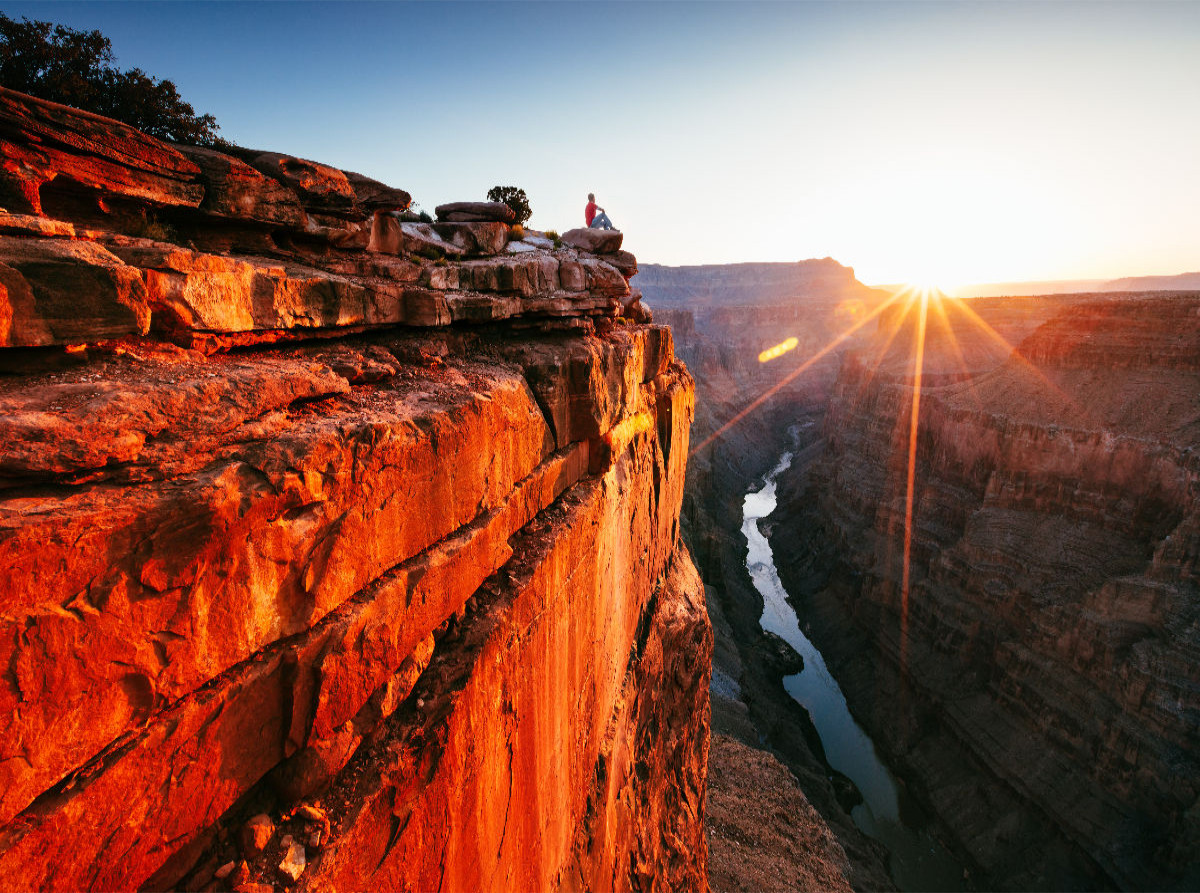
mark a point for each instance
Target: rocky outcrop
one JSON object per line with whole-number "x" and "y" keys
{"x": 43, "y": 143}
{"x": 391, "y": 596}
{"x": 1039, "y": 688}
{"x": 209, "y": 249}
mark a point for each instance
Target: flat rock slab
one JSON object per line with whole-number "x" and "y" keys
{"x": 471, "y": 212}
{"x": 375, "y": 196}
{"x": 55, "y": 291}
{"x": 596, "y": 241}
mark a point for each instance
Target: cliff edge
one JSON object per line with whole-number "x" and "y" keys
{"x": 339, "y": 550}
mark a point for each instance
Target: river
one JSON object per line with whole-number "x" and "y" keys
{"x": 917, "y": 861}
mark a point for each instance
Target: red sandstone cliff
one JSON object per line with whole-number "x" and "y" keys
{"x": 306, "y": 511}
{"x": 1047, "y": 706}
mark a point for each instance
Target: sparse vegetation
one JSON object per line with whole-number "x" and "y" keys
{"x": 75, "y": 68}
{"x": 515, "y": 198}
{"x": 150, "y": 228}
{"x": 553, "y": 235}
{"x": 414, "y": 214}
{"x": 517, "y": 231}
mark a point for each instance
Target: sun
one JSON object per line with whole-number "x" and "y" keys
{"x": 930, "y": 286}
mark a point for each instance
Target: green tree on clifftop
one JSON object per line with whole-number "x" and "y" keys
{"x": 75, "y": 68}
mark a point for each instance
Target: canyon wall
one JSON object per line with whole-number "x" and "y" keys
{"x": 339, "y": 550}
{"x": 1039, "y": 684}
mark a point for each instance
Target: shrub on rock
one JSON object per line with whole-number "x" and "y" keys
{"x": 513, "y": 197}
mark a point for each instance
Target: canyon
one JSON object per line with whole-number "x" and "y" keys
{"x": 1035, "y": 692}
{"x": 341, "y": 550}
{"x": 1039, "y": 676}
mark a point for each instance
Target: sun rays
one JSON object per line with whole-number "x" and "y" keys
{"x": 913, "y": 426}
{"x": 935, "y": 325}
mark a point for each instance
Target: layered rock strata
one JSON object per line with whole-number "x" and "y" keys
{"x": 1040, "y": 690}
{"x": 405, "y": 564}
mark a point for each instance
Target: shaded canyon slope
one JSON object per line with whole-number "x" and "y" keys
{"x": 1041, "y": 689}
{"x": 337, "y": 550}
{"x": 723, "y": 317}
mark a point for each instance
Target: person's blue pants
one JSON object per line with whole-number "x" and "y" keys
{"x": 601, "y": 221}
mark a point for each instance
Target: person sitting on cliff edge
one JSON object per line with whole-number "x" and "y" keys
{"x": 594, "y": 215}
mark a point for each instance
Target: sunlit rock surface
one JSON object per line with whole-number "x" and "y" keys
{"x": 334, "y": 551}
{"x": 1041, "y": 691}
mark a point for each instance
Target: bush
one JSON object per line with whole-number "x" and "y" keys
{"x": 148, "y": 227}
{"x": 513, "y": 197}
{"x": 75, "y": 68}
{"x": 555, "y": 237}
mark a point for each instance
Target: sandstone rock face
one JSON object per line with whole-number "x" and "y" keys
{"x": 58, "y": 292}
{"x": 43, "y": 142}
{"x": 319, "y": 186}
{"x": 1041, "y": 687}
{"x": 375, "y": 196}
{"x": 234, "y": 189}
{"x": 403, "y": 604}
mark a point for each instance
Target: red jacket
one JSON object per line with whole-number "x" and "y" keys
{"x": 589, "y": 213}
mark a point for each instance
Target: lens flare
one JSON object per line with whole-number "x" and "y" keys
{"x": 799, "y": 370}
{"x": 772, "y": 353}
{"x": 913, "y": 426}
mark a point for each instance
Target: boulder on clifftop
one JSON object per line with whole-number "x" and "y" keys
{"x": 235, "y": 190}
{"x": 375, "y": 196}
{"x": 318, "y": 186}
{"x": 475, "y": 212}
{"x": 596, "y": 241}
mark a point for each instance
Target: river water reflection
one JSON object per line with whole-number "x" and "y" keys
{"x": 917, "y": 860}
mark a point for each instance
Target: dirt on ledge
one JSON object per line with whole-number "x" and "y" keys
{"x": 763, "y": 834}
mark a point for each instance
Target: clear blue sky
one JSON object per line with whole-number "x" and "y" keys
{"x": 942, "y": 141}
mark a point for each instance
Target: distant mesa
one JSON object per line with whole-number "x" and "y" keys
{"x": 1178, "y": 282}
{"x": 706, "y": 285}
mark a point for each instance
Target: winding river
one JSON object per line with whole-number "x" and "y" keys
{"x": 917, "y": 861}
